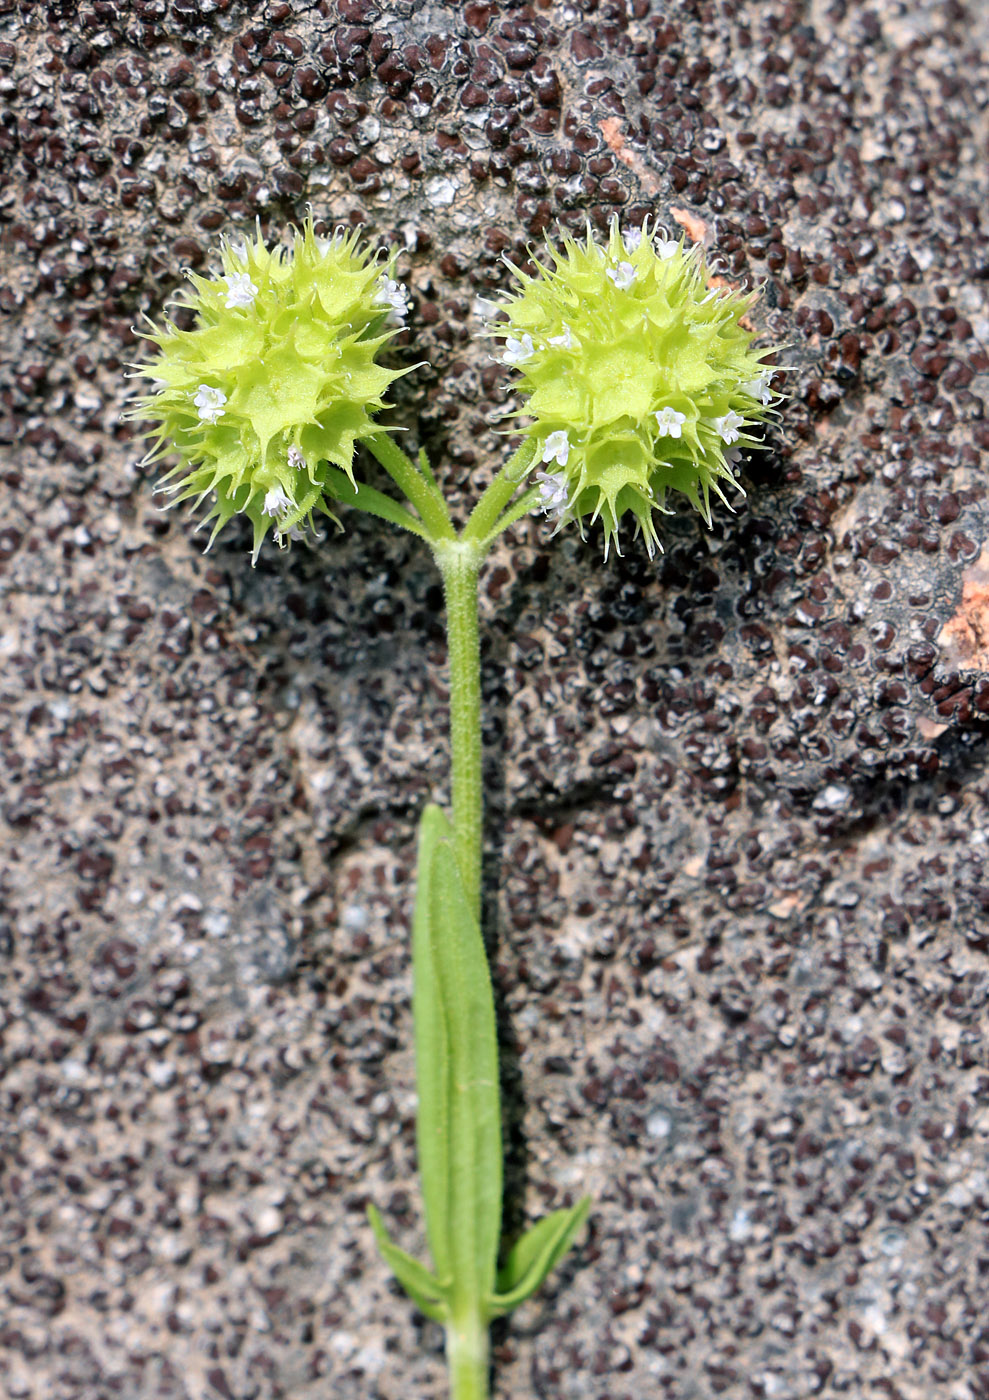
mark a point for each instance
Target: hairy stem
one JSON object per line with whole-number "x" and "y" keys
{"x": 459, "y": 561}
{"x": 422, "y": 492}
{"x": 485, "y": 514}
{"x": 519, "y": 508}
{"x": 468, "y": 1358}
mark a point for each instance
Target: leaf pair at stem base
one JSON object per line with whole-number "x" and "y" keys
{"x": 458, "y": 1127}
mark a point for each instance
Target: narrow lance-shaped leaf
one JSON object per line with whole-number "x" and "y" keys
{"x": 458, "y": 1127}
{"x": 375, "y": 502}
{"x": 536, "y": 1254}
{"x": 425, "y": 1291}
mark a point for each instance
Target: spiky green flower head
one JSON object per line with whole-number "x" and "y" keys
{"x": 639, "y": 379}
{"x": 276, "y": 381}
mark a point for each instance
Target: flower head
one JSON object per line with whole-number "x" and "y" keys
{"x": 659, "y": 381}
{"x": 258, "y": 407}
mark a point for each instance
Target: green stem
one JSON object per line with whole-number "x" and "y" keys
{"x": 423, "y": 493}
{"x": 458, "y": 562}
{"x": 468, "y": 1358}
{"x": 519, "y": 508}
{"x": 484, "y": 516}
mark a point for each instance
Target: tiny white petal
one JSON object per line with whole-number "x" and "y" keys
{"x": 277, "y": 502}
{"x": 325, "y": 245}
{"x": 296, "y": 459}
{"x": 665, "y": 247}
{"x": 557, "y": 448}
{"x": 241, "y": 291}
{"x": 304, "y": 534}
{"x": 632, "y": 238}
{"x": 393, "y": 295}
{"x": 517, "y": 351}
{"x": 209, "y": 402}
{"x": 553, "y": 496}
{"x": 669, "y": 422}
{"x": 727, "y": 427}
{"x": 238, "y": 247}
{"x": 759, "y": 387}
{"x": 623, "y": 275}
{"x": 566, "y": 339}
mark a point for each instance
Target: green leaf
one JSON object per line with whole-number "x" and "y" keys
{"x": 426, "y": 469}
{"x": 458, "y": 1126}
{"x": 362, "y": 497}
{"x": 536, "y": 1254}
{"x": 424, "y": 1290}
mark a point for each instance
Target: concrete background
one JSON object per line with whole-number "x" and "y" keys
{"x": 738, "y": 825}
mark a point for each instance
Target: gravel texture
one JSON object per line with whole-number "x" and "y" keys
{"x": 739, "y": 796}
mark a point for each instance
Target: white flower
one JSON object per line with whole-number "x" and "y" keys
{"x": 728, "y": 426}
{"x": 238, "y": 247}
{"x": 733, "y": 456}
{"x": 669, "y": 422}
{"x": 323, "y": 245}
{"x": 518, "y": 351}
{"x": 553, "y": 497}
{"x": 303, "y": 533}
{"x": 665, "y": 247}
{"x": 566, "y": 339}
{"x": 759, "y": 387}
{"x": 632, "y": 238}
{"x": 277, "y": 502}
{"x": 209, "y": 402}
{"x": 556, "y": 448}
{"x": 241, "y": 291}
{"x": 296, "y": 459}
{"x": 623, "y": 275}
{"x": 393, "y": 295}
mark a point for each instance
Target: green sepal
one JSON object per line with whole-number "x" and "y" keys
{"x": 535, "y": 1255}
{"x": 458, "y": 1125}
{"x": 426, "y": 1292}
